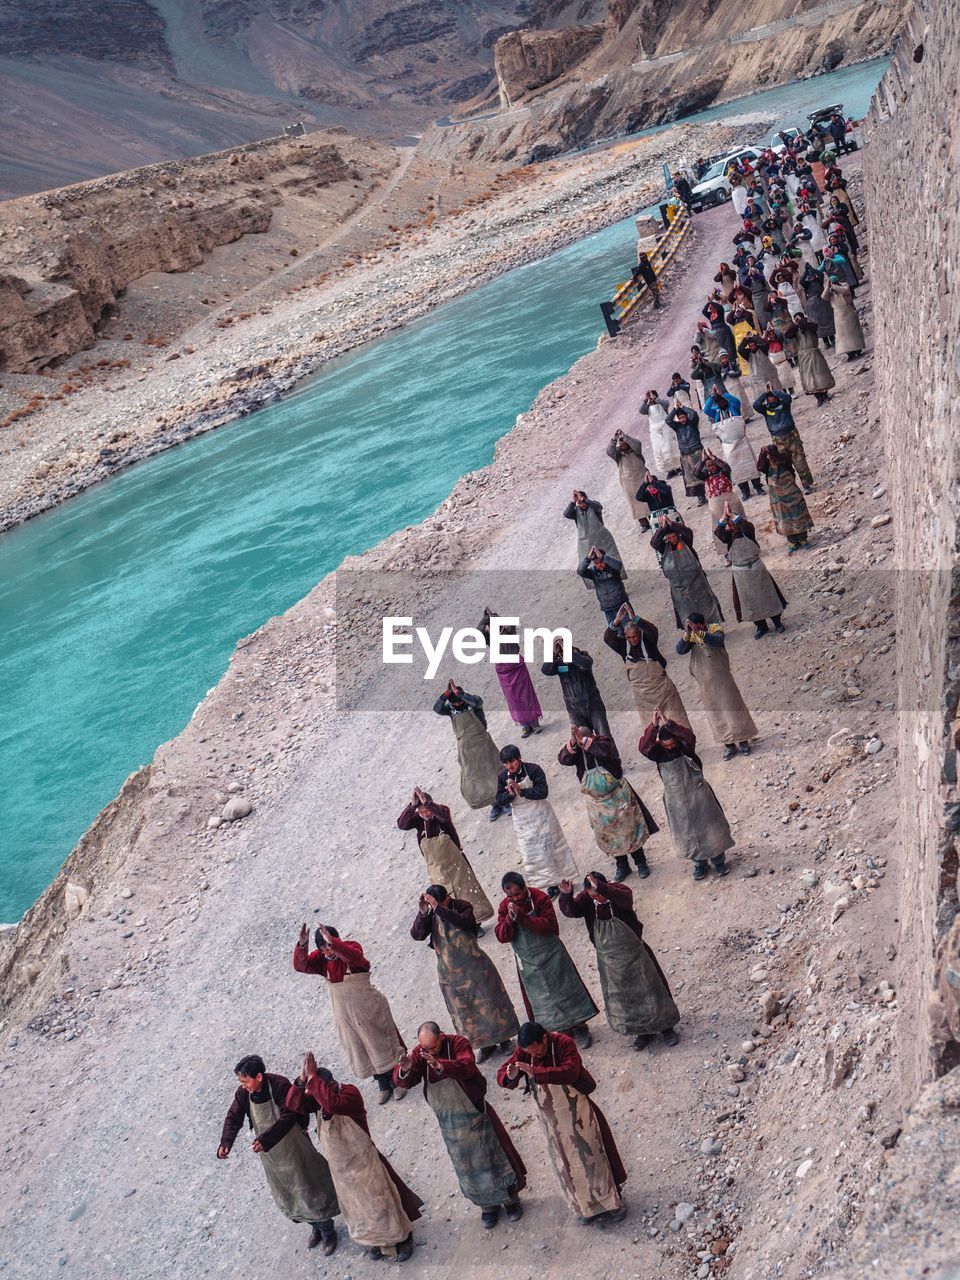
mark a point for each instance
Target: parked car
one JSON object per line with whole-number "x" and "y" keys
{"x": 714, "y": 187}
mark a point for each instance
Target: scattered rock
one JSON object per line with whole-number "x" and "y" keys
{"x": 684, "y": 1211}
{"x": 235, "y": 809}
{"x": 803, "y": 1169}
{"x": 75, "y": 898}
{"x": 879, "y": 521}
{"x": 711, "y": 1147}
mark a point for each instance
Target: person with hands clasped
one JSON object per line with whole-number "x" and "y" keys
{"x": 361, "y": 1014}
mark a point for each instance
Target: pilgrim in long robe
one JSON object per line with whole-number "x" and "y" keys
{"x": 621, "y": 823}
{"x": 663, "y": 441}
{"x": 544, "y": 851}
{"x": 361, "y": 1014}
{"x": 477, "y": 753}
{"x": 636, "y": 994}
{"x": 445, "y": 860}
{"x": 297, "y": 1174}
{"x": 487, "y": 1164}
{"x": 690, "y": 588}
{"x": 470, "y": 983}
{"x": 579, "y": 1141}
{"x": 646, "y": 670}
{"x": 791, "y": 515}
{"x": 730, "y": 430}
{"x": 849, "y": 332}
{"x": 815, "y": 375}
{"x": 627, "y": 452}
{"x": 726, "y": 711}
{"x": 553, "y": 992}
{"x": 698, "y": 825}
{"x": 756, "y": 595}
{"x": 515, "y": 682}
{"x": 377, "y": 1206}
{"x": 592, "y": 532}
{"x": 581, "y": 696}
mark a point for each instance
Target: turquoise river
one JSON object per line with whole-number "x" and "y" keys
{"x": 120, "y": 609}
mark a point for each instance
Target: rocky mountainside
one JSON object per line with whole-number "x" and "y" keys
{"x": 89, "y": 87}
{"x": 629, "y": 64}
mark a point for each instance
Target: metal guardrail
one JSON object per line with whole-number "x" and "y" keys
{"x": 633, "y": 292}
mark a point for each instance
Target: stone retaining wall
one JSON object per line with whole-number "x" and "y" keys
{"x": 912, "y": 188}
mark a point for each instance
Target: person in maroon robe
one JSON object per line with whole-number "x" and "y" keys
{"x": 487, "y": 1164}
{"x": 362, "y": 1191}
{"x": 553, "y": 991}
{"x": 635, "y": 989}
{"x": 365, "y": 1025}
{"x": 580, "y": 1143}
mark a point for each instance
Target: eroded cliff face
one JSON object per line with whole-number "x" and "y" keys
{"x": 658, "y": 60}
{"x": 66, "y": 256}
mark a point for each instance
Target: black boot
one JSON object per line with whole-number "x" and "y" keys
{"x": 761, "y": 629}
{"x": 778, "y": 625}
{"x": 623, "y": 868}
{"x": 758, "y": 487}
{"x": 744, "y": 489}
{"x": 720, "y": 865}
{"x": 640, "y": 858}
{"x": 699, "y": 870}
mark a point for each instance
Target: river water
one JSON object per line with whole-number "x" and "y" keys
{"x": 121, "y": 608}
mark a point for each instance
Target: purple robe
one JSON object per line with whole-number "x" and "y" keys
{"x": 519, "y": 692}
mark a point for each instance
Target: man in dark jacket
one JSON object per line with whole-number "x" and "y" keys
{"x": 685, "y": 423}
{"x": 581, "y": 696}
{"x": 606, "y": 573}
{"x": 297, "y": 1173}
{"x": 644, "y": 269}
{"x": 775, "y": 409}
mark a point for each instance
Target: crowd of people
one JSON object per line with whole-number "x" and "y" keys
{"x": 783, "y": 298}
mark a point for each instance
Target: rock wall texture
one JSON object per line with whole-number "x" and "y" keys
{"x": 912, "y": 163}
{"x": 526, "y": 60}
{"x": 67, "y": 255}
{"x": 914, "y": 133}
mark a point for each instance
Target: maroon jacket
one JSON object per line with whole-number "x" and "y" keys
{"x": 536, "y": 913}
{"x": 346, "y": 1100}
{"x": 349, "y": 959}
{"x": 240, "y": 1111}
{"x": 455, "y": 911}
{"x": 650, "y": 746}
{"x": 441, "y": 823}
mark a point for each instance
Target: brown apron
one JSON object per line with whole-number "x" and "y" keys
{"x": 447, "y": 865}
{"x": 369, "y": 1200}
{"x": 653, "y": 688}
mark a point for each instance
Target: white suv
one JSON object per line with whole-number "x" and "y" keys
{"x": 713, "y": 187}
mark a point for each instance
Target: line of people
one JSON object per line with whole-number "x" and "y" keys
{"x": 346, "y": 1175}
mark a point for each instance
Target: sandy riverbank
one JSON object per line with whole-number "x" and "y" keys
{"x": 179, "y": 960}
{"x": 177, "y": 359}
